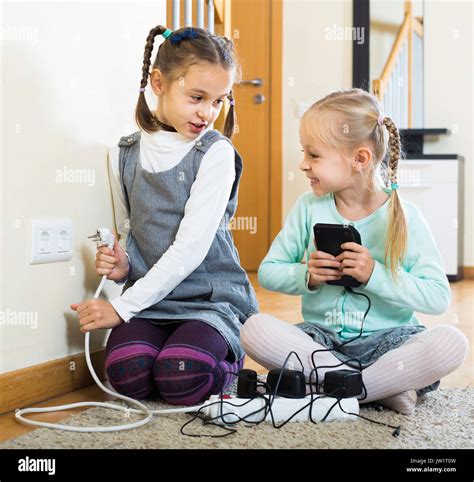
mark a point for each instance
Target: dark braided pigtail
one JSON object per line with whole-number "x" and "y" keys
{"x": 230, "y": 118}
{"x": 397, "y": 234}
{"x": 143, "y": 116}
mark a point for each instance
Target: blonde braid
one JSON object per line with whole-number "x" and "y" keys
{"x": 397, "y": 231}
{"x": 395, "y": 149}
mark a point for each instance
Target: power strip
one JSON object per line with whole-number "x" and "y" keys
{"x": 234, "y": 409}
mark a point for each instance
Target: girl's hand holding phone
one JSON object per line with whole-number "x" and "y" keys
{"x": 112, "y": 262}
{"x": 356, "y": 261}
{"x": 319, "y": 268}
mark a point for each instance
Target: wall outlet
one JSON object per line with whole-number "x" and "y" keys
{"x": 52, "y": 240}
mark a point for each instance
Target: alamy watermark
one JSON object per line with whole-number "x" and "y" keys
{"x": 20, "y": 33}
{"x": 242, "y": 223}
{"x": 13, "y": 318}
{"x": 345, "y": 33}
{"x": 37, "y": 465}
{"x": 75, "y": 176}
{"x": 336, "y": 317}
{"x": 409, "y": 176}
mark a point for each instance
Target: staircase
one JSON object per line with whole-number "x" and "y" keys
{"x": 400, "y": 86}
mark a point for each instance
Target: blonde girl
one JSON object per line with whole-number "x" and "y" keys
{"x": 350, "y": 150}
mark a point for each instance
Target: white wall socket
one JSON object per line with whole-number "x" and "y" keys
{"x": 52, "y": 240}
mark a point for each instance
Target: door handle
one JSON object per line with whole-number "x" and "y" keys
{"x": 258, "y": 82}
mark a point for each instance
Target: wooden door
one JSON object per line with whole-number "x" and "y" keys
{"x": 256, "y": 32}
{"x": 255, "y": 27}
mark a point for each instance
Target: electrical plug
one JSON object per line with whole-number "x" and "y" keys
{"x": 103, "y": 237}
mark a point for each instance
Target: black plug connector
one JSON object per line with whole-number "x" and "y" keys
{"x": 247, "y": 384}
{"x": 291, "y": 383}
{"x": 343, "y": 383}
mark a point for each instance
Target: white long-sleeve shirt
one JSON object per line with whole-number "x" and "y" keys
{"x": 210, "y": 192}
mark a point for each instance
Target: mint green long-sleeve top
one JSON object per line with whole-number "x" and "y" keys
{"x": 422, "y": 285}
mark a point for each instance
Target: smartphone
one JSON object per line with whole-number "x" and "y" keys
{"x": 328, "y": 238}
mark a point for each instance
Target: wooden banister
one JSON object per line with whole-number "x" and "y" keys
{"x": 411, "y": 25}
{"x": 219, "y": 9}
{"x": 402, "y": 35}
{"x": 418, "y": 26}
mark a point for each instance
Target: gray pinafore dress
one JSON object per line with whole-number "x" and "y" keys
{"x": 218, "y": 292}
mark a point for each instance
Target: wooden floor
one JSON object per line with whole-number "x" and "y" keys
{"x": 287, "y": 308}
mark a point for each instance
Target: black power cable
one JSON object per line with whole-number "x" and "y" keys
{"x": 396, "y": 432}
{"x": 268, "y": 401}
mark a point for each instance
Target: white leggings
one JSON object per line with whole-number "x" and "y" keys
{"x": 425, "y": 358}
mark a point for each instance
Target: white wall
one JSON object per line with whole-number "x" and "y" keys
{"x": 449, "y": 100}
{"x": 315, "y": 62}
{"x": 70, "y": 80}
{"x": 314, "y": 65}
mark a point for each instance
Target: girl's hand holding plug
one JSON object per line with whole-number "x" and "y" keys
{"x": 356, "y": 261}
{"x": 112, "y": 262}
{"x": 94, "y": 314}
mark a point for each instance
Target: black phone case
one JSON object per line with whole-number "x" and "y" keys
{"x": 328, "y": 238}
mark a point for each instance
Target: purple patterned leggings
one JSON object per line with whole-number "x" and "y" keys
{"x": 183, "y": 362}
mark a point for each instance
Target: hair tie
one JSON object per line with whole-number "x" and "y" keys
{"x": 142, "y": 89}
{"x": 187, "y": 34}
{"x": 394, "y": 186}
{"x": 231, "y": 101}
{"x": 167, "y": 33}
{"x": 380, "y": 119}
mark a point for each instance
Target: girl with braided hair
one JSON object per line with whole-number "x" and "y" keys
{"x": 175, "y": 328}
{"x": 349, "y": 148}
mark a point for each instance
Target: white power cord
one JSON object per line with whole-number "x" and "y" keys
{"x": 104, "y": 237}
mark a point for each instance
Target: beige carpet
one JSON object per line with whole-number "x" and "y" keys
{"x": 443, "y": 419}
